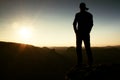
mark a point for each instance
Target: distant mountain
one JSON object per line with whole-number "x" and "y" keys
{"x": 19, "y": 61}
{"x": 22, "y": 61}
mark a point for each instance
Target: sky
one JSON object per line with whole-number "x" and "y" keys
{"x": 49, "y": 22}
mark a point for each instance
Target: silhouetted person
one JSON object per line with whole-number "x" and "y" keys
{"x": 83, "y": 24}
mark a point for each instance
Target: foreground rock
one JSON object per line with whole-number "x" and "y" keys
{"x": 95, "y": 72}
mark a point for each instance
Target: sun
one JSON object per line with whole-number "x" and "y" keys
{"x": 25, "y": 33}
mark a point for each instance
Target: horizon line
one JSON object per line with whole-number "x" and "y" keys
{"x": 57, "y": 46}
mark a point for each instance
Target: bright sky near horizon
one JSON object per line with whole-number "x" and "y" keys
{"x": 49, "y": 22}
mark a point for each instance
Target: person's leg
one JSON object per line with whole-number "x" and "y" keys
{"x": 79, "y": 50}
{"x": 88, "y": 49}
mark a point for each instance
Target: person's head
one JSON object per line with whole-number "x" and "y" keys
{"x": 83, "y": 7}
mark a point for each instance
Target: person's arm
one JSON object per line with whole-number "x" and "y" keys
{"x": 75, "y": 24}
{"x": 91, "y": 23}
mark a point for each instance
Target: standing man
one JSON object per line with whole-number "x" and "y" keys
{"x": 82, "y": 25}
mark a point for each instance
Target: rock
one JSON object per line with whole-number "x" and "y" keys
{"x": 95, "y": 72}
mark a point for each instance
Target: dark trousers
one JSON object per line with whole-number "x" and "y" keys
{"x": 86, "y": 40}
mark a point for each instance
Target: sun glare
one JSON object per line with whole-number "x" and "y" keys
{"x": 25, "y": 33}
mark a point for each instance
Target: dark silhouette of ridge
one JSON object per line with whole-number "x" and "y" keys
{"x": 22, "y": 61}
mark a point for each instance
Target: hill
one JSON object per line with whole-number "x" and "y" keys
{"x": 22, "y": 61}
